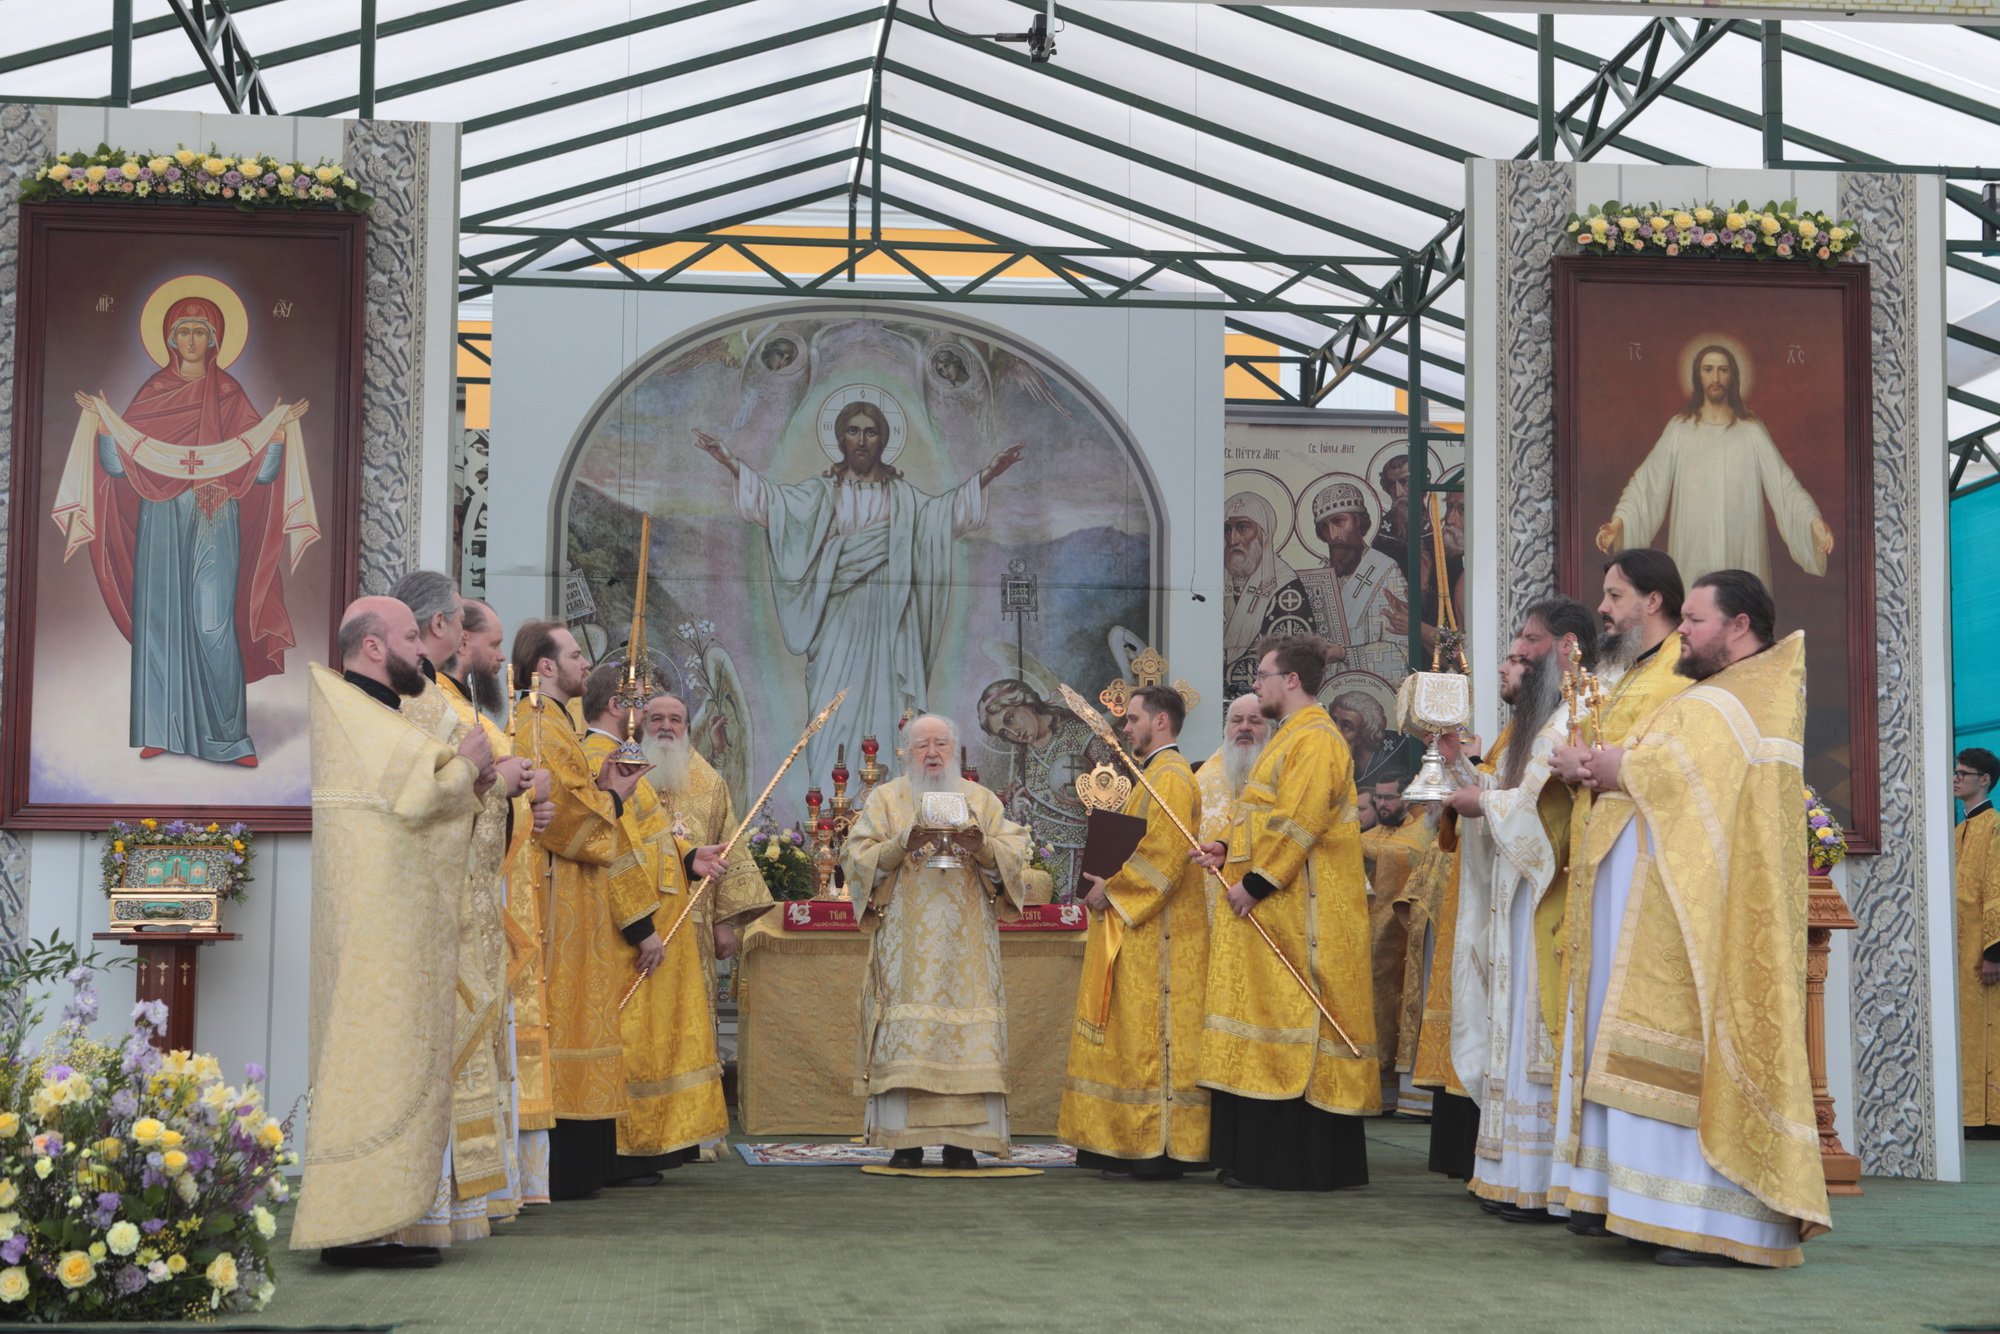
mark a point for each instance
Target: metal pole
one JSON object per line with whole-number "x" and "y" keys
{"x": 1545, "y": 87}
{"x": 1774, "y": 93}
{"x": 367, "y": 59}
{"x": 121, "y": 52}
{"x": 1420, "y": 469}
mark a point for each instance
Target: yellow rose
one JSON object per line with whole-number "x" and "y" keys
{"x": 236, "y": 844}
{"x": 1734, "y": 222}
{"x": 1683, "y": 220}
{"x": 122, "y": 1237}
{"x": 111, "y": 1150}
{"x": 59, "y": 172}
{"x": 185, "y": 156}
{"x": 158, "y": 165}
{"x": 348, "y": 181}
{"x": 214, "y": 166}
{"x": 146, "y": 1131}
{"x": 285, "y": 174}
{"x": 1659, "y": 223}
{"x": 13, "y": 1284}
{"x": 130, "y": 171}
{"x": 150, "y": 822}
{"x": 97, "y": 1250}
{"x": 222, "y": 1273}
{"x": 1768, "y": 225}
{"x": 1628, "y": 225}
{"x": 266, "y": 1225}
{"x": 95, "y": 171}
{"x": 324, "y": 175}
{"x": 173, "y": 1162}
{"x": 10, "y": 1124}
{"x": 42, "y": 1169}
{"x": 9, "y": 1221}
{"x": 1836, "y": 233}
{"x": 1599, "y": 226}
{"x": 212, "y": 828}
{"x": 271, "y": 1134}
{"x": 1704, "y": 216}
{"x": 9, "y": 1192}
{"x": 75, "y": 1269}
{"x": 177, "y": 1264}
{"x": 1808, "y": 228}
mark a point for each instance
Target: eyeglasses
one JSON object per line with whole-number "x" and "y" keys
{"x": 1966, "y": 773}
{"x": 1263, "y": 676}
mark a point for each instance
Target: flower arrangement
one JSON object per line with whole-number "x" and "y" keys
{"x": 125, "y": 841}
{"x": 185, "y": 176}
{"x": 1714, "y": 231}
{"x": 782, "y": 859}
{"x": 1826, "y": 844}
{"x": 133, "y": 1186}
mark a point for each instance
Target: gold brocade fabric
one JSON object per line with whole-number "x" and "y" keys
{"x": 479, "y": 1126}
{"x": 1391, "y": 857}
{"x": 704, "y": 814}
{"x": 1130, "y": 1090}
{"x": 1978, "y": 911}
{"x": 1218, "y": 808}
{"x": 527, "y": 982}
{"x": 1596, "y": 822}
{"x": 595, "y": 886}
{"x": 393, "y": 809}
{"x": 1431, "y": 1066}
{"x": 933, "y": 1007}
{"x": 673, "y": 1079}
{"x": 1296, "y": 827}
{"x": 1422, "y": 891}
{"x": 1704, "y": 1019}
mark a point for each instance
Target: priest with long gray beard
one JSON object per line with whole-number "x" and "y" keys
{"x": 933, "y": 1048}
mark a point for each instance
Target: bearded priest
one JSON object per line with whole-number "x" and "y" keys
{"x": 1245, "y": 729}
{"x": 1698, "y": 1048}
{"x": 933, "y": 1048}
{"x": 393, "y": 807}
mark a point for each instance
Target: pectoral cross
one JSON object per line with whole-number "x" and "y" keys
{"x": 192, "y": 462}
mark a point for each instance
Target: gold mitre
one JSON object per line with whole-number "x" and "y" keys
{"x": 1103, "y": 789}
{"x": 1148, "y": 669}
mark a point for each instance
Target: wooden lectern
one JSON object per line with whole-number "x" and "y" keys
{"x": 169, "y": 965}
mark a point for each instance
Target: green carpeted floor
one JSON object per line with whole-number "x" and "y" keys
{"x": 726, "y": 1246}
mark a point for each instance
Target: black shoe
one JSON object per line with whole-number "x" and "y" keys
{"x": 959, "y": 1160}
{"x": 906, "y": 1159}
{"x": 1514, "y": 1213}
{"x": 1234, "y": 1182}
{"x": 643, "y": 1179}
{"x": 382, "y": 1257}
{"x": 1489, "y": 1206}
{"x": 1108, "y": 1175}
{"x": 1680, "y": 1259}
{"x": 1588, "y": 1225}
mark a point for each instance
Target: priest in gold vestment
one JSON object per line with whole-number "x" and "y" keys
{"x": 1638, "y": 662}
{"x": 393, "y": 812}
{"x": 673, "y": 1078}
{"x": 1288, "y": 1094}
{"x": 1221, "y": 777}
{"x": 482, "y": 1170}
{"x": 1977, "y": 878}
{"x": 1130, "y": 1103}
{"x": 1390, "y": 852}
{"x": 1698, "y": 1050}
{"x": 933, "y": 1047}
{"x": 592, "y": 889}
{"x": 1513, "y": 881}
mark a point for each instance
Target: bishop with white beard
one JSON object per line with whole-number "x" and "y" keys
{"x": 1245, "y": 729}
{"x": 933, "y": 1047}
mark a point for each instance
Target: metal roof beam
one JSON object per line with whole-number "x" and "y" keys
{"x": 220, "y": 48}
{"x": 291, "y": 55}
{"x": 1256, "y": 143}
{"x": 1888, "y": 78}
{"x": 528, "y": 55}
{"x": 656, "y": 169}
{"x": 1152, "y": 161}
{"x": 868, "y": 141}
{"x": 77, "y": 46}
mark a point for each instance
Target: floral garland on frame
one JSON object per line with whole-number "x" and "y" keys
{"x": 1715, "y": 231}
{"x": 1826, "y": 844}
{"x": 123, "y": 841}
{"x": 251, "y": 182}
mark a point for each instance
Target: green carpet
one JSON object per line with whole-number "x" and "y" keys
{"x": 724, "y": 1246}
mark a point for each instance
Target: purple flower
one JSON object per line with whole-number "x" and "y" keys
{"x": 128, "y": 1280}
{"x": 145, "y": 173}
{"x": 12, "y": 1249}
{"x": 1646, "y": 229}
{"x": 173, "y": 173}
{"x": 253, "y": 1073}
{"x": 269, "y": 178}
{"x": 124, "y": 1103}
{"x": 152, "y": 1227}
{"x": 107, "y": 1208}
{"x": 58, "y": 1073}
{"x": 153, "y": 1013}
{"x": 200, "y": 1160}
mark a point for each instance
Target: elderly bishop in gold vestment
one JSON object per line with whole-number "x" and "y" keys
{"x": 933, "y": 1048}
{"x": 1697, "y": 1051}
{"x": 673, "y": 1079}
{"x": 393, "y": 811}
{"x": 1978, "y": 896}
{"x": 1131, "y": 1105}
{"x": 1288, "y": 1093}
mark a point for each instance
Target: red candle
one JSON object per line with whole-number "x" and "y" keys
{"x": 870, "y": 747}
{"x": 813, "y": 799}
